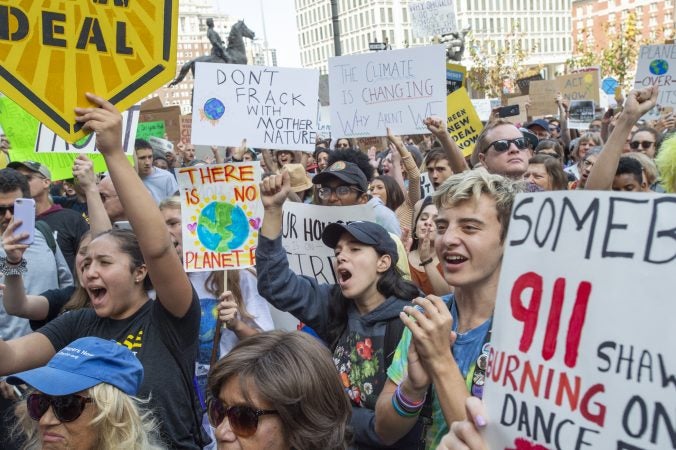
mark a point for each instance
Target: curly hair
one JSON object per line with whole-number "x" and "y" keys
{"x": 120, "y": 421}
{"x": 293, "y": 373}
{"x": 354, "y": 156}
{"x": 11, "y": 180}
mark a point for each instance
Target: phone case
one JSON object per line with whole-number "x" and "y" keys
{"x": 24, "y": 210}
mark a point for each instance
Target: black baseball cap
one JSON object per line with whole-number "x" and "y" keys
{"x": 368, "y": 233}
{"x": 345, "y": 171}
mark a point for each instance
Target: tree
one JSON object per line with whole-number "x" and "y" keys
{"x": 493, "y": 63}
{"x": 618, "y": 58}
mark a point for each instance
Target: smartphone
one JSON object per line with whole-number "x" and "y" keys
{"x": 508, "y": 111}
{"x": 24, "y": 210}
{"x": 122, "y": 225}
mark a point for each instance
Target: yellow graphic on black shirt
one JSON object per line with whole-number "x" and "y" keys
{"x": 134, "y": 342}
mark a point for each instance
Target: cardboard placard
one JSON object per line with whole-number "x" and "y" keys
{"x": 580, "y": 86}
{"x": 657, "y": 66}
{"x": 27, "y": 135}
{"x": 522, "y": 101}
{"x": 302, "y": 229}
{"x": 462, "y": 122}
{"x": 432, "y": 18}
{"x": 272, "y": 107}
{"x": 186, "y": 129}
{"x": 543, "y": 98}
{"x": 580, "y": 114}
{"x": 170, "y": 115}
{"x": 524, "y": 83}
{"x": 582, "y": 352}
{"x": 222, "y": 213}
{"x": 396, "y": 89}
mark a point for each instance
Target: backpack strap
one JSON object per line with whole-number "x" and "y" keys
{"x": 393, "y": 331}
{"x": 47, "y": 232}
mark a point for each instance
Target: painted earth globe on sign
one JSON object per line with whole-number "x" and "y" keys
{"x": 222, "y": 227}
{"x": 659, "y": 67}
{"x": 214, "y": 109}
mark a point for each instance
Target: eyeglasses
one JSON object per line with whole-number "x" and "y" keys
{"x": 4, "y": 209}
{"x": 645, "y": 144}
{"x": 341, "y": 191}
{"x": 66, "y": 408}
{"x": 502, "y": 145}
{"x": 242, "y": 419}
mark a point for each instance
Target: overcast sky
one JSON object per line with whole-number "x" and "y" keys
{"x": 280, "y": 22}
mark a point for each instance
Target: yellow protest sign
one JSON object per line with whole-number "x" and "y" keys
{"x": 463, "y": 122}
{"x": 51, "y": 53}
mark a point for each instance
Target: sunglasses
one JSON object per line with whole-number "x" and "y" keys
{"x": 341, "y": 191}
{"x": 66, "y": 408}
{"x": 243, "y": 419}
{"x": 502, "y": 145}
{"x": 645, "y": 144}
{"x": 4, "y": 209}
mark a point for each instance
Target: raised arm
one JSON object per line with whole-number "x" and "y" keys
{"x": 562, "y": 104}
{"x": 83, "y": 172}
{"x": 14, "y": 298}
{"x": 26, "y": 352}
{"x": 637, "y": 104}
{"x": 455, "y": 157}
{"x": 166, "y": 272}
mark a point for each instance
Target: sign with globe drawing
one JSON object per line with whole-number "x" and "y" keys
{"x": 657, "y": 66}
{"x": 222, "y": 213}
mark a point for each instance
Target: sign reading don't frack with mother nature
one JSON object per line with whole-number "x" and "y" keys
{"x": 272, "y": 107}
{"x": 396, "y": 89}
{"x": 221, "y": 215}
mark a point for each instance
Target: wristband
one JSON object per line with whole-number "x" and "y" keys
{"x": 405, "y": 407}
{"x": 427, "y": 261}
{"x": 9, "y": 269}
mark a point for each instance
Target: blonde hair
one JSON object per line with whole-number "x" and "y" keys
{"x": 471, "y": 185}
{"x": 120, "y": 422}
{"x": 173, "y": 202}
{"x": 666, "y": 163}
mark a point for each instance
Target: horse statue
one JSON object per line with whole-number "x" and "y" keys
{"x": 235, "y": 53}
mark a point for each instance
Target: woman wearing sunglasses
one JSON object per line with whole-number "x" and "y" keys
{"x": 120, "y": 269}
{"x": 278, "y": 390}
{"x": 83, "y": 400}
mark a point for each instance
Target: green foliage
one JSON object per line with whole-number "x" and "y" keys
{"x": 492, "y": 64}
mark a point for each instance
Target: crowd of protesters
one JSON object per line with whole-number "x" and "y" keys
{"x": 390, "y": 357}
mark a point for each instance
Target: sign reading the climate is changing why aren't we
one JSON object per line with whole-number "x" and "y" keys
{"x": 582, "y": 348}
{"x": 272, "y": 107}
{"x": 395, "y": 88}
{"x": 222, "y": 213}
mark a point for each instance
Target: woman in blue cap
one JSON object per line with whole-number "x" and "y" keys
{"x": 83, "y": 400}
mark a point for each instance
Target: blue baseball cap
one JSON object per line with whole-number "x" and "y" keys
{"x": 368, "y": 233}
{"x": 82, "y": 364}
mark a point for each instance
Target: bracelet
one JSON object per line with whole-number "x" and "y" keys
{"x": 405, "y": 407}
{"x": 427, "y": 261}
{"x": 9, "y": 269}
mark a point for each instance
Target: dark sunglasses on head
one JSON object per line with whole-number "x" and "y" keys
{"x": 4, "y": 209}
{"x": 66, "y": 408}
{"x": 502, "y": 145}
{"x": 645, "y": 144}
{"x": 243, "y": 419}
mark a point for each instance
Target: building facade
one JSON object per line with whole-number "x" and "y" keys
{"x": 545, "y": 27}
{"x": 596, "y": 21}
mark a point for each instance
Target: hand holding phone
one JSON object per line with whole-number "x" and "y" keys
{"x": 508, "y": 111}
{"x": 24, "y": 211}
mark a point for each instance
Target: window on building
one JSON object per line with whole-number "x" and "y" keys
{"x": 382, "y": 15}
{"x": 390, "y": 18}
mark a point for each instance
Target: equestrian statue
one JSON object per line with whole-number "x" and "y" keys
{"x": 235, "y": 53}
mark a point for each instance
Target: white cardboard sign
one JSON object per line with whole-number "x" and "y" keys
{"x": 657, "y": 66}
{"x": 302, "y": 229}
{"x": 582, "y": 348}
{"x": 272, "y": 107}
{"x": 432, "y": 17}
{"x": 394, "y": 88}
